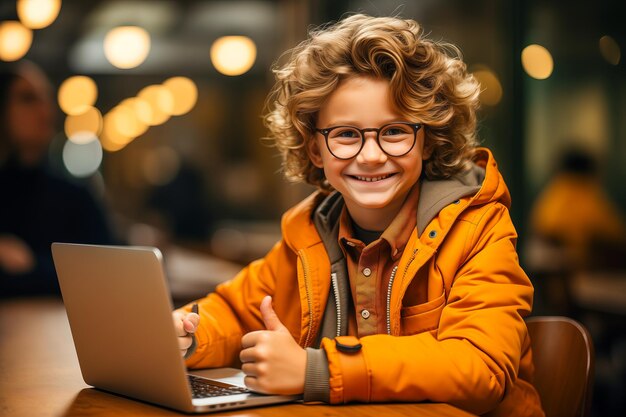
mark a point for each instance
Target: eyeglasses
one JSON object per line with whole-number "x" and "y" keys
{"x": 394, "y": 139}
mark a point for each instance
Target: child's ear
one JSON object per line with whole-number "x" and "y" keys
{"x": 427, "y": 149}
{"x": 427, "y": 152}
{"x": 313, "y": 149}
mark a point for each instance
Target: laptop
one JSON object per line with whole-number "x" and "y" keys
{"x": 120, "y": 314}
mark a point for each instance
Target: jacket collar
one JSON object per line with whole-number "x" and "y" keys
{"x": 481, "y": 182}
{"x": 435, "y": 195}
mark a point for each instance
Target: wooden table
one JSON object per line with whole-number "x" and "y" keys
{"x": 40, "y": 376}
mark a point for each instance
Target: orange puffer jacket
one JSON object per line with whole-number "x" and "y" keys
{"x": 456, "y": 307}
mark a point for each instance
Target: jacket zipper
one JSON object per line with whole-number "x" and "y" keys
{"x": 333, "y": 278}
{"x": 393, "y": 276}
{"x": 391, "y": 279}
{"x": 308, "y": 296}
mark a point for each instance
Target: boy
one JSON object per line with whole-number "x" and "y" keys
{"x": 398, "y": 280}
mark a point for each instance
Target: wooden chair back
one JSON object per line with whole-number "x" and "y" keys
{"x": 563, "y": 356}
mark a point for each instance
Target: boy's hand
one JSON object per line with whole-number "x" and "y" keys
{"x": 272, "y": 360}
{"x": 185, "y": 324}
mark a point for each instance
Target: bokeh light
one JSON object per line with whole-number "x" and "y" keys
{"x": 161, "y": 103}
{"x": 490, "y": 87}
{"x": 37, "y": 14}
{"x": 15, "y": 40}
{"x": 77, "y": 94}
{"x": 81, "y": 128}
{"x": 233, "y": 55}
{"x": 184, "y": 93}
{"x": 142, "y": 109}
{"x": 82, "y": 160}
{"x": 127, "y": 122}
{"x": 610, "y": 50}
{"x": 111, "y": 138}
{"x": 537, "y": 61}
{"x": 126, "y": 46}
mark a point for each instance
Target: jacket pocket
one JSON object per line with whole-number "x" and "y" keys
{"x": 422, "y": 317}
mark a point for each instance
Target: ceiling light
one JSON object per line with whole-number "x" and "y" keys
{"x": 184, "y": 93}
{"x": 15, "y": 40}
{"x": 37, "y": 14}
{"x": 126, "y": 46}
{"x": 233, "y": 55}
{"x": 77, "y": 94}
{"x": 537, "y": 62}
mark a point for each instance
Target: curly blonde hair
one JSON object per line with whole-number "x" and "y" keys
{"x": 428, "y": 81}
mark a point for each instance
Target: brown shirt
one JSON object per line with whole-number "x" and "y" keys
{"x": 370, "y": 266}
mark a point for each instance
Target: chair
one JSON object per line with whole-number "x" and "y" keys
{"x": 563, "y": 356}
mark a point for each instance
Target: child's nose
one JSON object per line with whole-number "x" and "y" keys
{"x": 371, "y": 152}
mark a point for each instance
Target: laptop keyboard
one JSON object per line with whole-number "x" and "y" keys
{"x": 204, "y": 388}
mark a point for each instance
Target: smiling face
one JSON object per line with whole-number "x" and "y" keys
{"x": 374, "y": 185}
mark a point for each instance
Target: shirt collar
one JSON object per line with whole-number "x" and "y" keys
{"x": 397, "y": 233}
{"x": 401, "y": 227}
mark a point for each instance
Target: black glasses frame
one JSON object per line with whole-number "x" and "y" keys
{"x": 326, "y": 131}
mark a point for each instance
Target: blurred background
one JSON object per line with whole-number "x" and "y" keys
{"x": 155, "y": 111}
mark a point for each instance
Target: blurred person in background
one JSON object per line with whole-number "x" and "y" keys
{"x": 575, "y": 227}
{"x": 37, "y": 207}
{"x": 576, "y": 214}
{"x": 578, "y": 262}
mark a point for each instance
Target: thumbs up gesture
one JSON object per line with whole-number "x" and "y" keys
{"x": 272, "y": 360}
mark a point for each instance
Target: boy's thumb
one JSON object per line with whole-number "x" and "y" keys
{"x": 271, "y": 320}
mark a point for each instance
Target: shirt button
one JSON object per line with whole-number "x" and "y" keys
{"x": 367, "y": 272}
{"x": 365, "y": 314}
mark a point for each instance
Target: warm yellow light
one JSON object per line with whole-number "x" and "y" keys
{"x": 142, "y": 109}
{"x": 15, "y": 40}
{"x": 537, "y": 61}
{"x": 126, "y": 121}
{"x": 109, "y": 145}
{"x": 126, "y": 46}
{"x": 134, "y": 107}
{"x": 610, "y": 50}
{"x": 77, "y": 94}
{"x": 184, "y": 92}
{"x": 161, "y": 103}
{"x": 37, "y": 14}
{"x": 111, "y": 138}
{"x": 233, "y": 55}
{"x": 490, "y": 87}
{"x": 81, "y": 128}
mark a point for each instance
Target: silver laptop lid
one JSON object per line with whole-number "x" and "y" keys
{"x": 120, "y": 314}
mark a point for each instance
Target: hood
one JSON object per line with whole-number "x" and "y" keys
{"x": 482, "y": 182}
